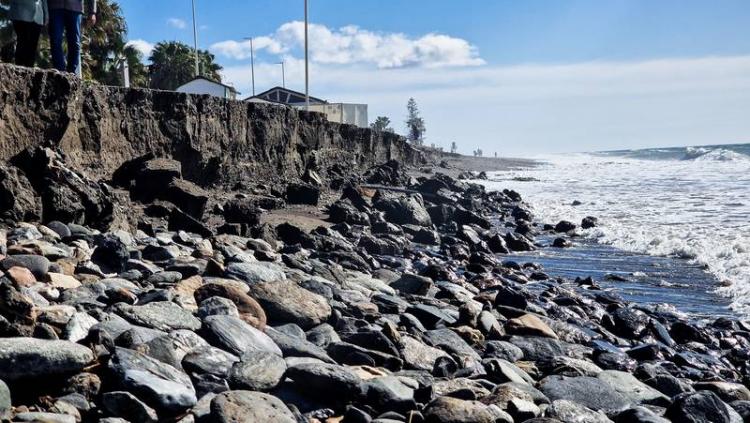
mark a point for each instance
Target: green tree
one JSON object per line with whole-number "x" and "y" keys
{"x": 415, "y": 127}
{"x": 173, "y": 64}
{"x": 382, "y": 124}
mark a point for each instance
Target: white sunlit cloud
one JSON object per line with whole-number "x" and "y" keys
{"x": 354, "y": 45}
{"x": 143, "y": 46}
{"x": 177, "y": 23}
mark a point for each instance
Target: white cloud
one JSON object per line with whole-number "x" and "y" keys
{"x": 240, "y": 50}
{"x": 177, "y": 23}
{"x": 353, "y": 45}
{"x": 544, "y": 108}
{"x": 143, "y": 46}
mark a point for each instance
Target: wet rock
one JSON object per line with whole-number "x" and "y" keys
{"x": 237, "y": 337}
{"x": 587, "y": 391}
{"x": 636, "y": 391}
{"x": 22, "y": 358}
{"x": 287, "y": 302}
{"x": 727, "y": 391}
{"x": 162, "y": 315}
{"x": 159, "y": 385}
{"x": 518, "y": 242}
{"x": 249, "y": 407}
{"x": 126, "y": 405}
{"x": 412, "y": 284}
{"x": 701, "y": 407}
{"x": 209, "y": 360}
{"x": 329, "y": 381}
{"x": 589, "y": 222}
{"x": 628, "y": 322}
{"x": 564, "y": 226}
{"x": 257, "y": 371}
{"x": 561, "y": 243}
{"x": 546, "y": 349}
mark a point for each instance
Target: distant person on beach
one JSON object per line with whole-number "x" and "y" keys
{"x": 65, "y": 18}
{"x": 29, "y": 17}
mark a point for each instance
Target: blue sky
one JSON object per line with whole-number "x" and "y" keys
{"x": 512, "y": 76}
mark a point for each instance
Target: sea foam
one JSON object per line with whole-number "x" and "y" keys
{"x": 696, "y": 209}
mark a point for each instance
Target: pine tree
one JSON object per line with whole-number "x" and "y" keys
{"x": 415, "y": 127}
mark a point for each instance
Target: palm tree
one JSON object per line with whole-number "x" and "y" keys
{"x": 173, "y": 64}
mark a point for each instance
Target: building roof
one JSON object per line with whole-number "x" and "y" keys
{"x": 231, "y": 88}
{"x": 266, "y": 95}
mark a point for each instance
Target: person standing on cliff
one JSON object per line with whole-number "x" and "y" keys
{"x": 65, "y": 18}
{"x": 29, "y": 17}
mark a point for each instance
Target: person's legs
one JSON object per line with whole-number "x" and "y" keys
{"x": 32, "y": 32}
{"x": 73, "y": 35}
{"x": 56, "y": 29}
{"x": 22, "y": 37}
{"x": 27, "y": 39}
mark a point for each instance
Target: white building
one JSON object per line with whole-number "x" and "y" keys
{"x": 203, "y": 85}
{"x": 352, "y": 114}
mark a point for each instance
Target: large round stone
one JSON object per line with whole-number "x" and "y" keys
{"x": 22, "y": 358}
{"x": 249, "y": 407}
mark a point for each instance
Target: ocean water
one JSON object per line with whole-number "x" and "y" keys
{"x": 690, "y": 205}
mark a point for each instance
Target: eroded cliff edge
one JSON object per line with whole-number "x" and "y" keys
{"x": 217, "y": 141}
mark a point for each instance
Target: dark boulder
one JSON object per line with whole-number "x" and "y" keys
{"x": 18, "y": 201}
{"x": 497, "y": 244}
{"x": 518, "y": 242}
{"x": 110, "y": 254}
{"x": 301, "y": 193}
{"x": 404, "y": 210}
{"x": 564, "y": 226}
{"x": 700, "y": 407}
{"x": 343, "y": 211}
{"x": 242, "y": 210}
{"x": 589, "y": 222}
{"x": 67, "y": 195}
{"x": 391, "y": 173}
{"x": 181, "y": 221}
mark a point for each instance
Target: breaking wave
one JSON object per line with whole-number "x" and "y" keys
{"x": 689, "y": 203}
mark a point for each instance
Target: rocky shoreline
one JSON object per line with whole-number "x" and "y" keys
{"x": 399, "y": 307}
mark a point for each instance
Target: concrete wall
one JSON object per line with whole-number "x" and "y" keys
{"x": 352, "y": 114}
{"x": 218, "y": 141}
{"x": 202, "y": 86}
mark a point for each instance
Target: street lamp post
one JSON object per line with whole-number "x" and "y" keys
{"x": 252, "y": 63}
{"x": 283, "y": 75}
{"x": 307, "y": 65}
{"x": 195, "y": 42}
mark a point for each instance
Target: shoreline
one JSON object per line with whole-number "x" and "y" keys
{"x": 394, "y": 304}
